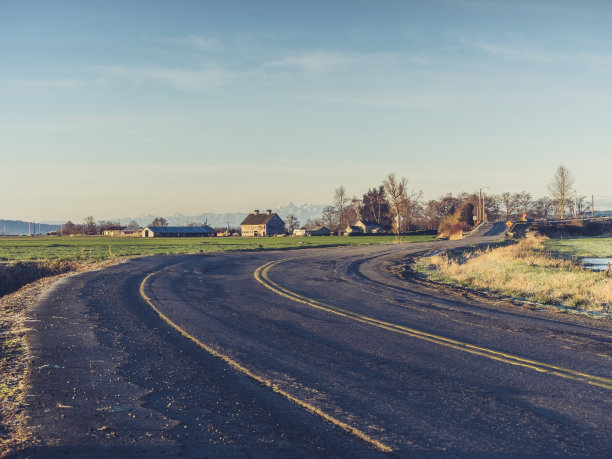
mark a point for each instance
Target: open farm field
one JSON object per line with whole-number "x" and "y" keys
{"x": 581, "y": 247}
{"x": 98, "y": 248}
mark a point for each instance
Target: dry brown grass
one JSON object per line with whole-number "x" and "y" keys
{"x": 526, "y": 270}
{"x": 15, "y": 275}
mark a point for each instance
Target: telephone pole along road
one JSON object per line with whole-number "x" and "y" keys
{"x": 318, "y": 352}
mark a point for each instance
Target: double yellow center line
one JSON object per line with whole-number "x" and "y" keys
{"x": 262, "y": 275}
{"x": 257, "y": 377}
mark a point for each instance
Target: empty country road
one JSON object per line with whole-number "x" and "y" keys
{"x": 308, "y": 353}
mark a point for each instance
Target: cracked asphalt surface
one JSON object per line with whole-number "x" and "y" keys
{"x": 109, "y": 377}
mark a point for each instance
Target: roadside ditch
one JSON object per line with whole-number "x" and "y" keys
{"x": 521, "y": 272}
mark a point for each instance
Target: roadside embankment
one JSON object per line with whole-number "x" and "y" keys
{"x": 21, "y": 284}
{"x": 568, "y": 228}
{"x": 13, "y": 276}
{"x": 526, "y": 269}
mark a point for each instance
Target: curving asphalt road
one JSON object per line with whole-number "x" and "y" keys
{"x": 308, "y": 353}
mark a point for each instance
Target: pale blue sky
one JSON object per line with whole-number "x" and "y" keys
{"x": 123, "y": 108}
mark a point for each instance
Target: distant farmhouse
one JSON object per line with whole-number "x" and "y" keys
{"x": 260, "y": 224}
{"x": 113, "y": 231}
{"x": 178, "y": 231}
{"x": 121, "y": 231}
{"x": 319, "y": 231}
{"x": 363, "y": 227}
{"x": 369, "y": 226}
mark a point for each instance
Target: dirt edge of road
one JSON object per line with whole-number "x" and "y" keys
{"x": 15, "y": 356}
{"x": 404, "y": 271}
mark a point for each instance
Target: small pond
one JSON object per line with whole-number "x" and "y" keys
{"x": 597, "y": 264}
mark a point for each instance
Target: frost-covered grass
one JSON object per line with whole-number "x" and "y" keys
{"x": 526, "y": 269}
{"x": 582, "y": 247}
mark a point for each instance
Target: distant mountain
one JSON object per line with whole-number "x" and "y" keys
{"x": 18, "y": 227}
{"x": 302, "y": 213}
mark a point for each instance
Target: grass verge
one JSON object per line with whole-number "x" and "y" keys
{"x": 581, "y": 247}
{"x": 527, "y": 269}
{"x": 15, "y": 275}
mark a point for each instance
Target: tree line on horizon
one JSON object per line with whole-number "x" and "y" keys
{"x": 398, "y": 209}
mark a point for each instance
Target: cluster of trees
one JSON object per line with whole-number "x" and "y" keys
{"x": 91, "y": 227}
{"x": 396, "y": 208}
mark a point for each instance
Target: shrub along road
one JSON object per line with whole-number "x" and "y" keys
{"x": 309, "y": 353}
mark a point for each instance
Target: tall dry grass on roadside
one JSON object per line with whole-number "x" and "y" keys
{"x": 526, "y": 270}
{"x": 13, "y": 276}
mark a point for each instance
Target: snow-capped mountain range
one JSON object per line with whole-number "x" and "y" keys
{"x": 302, "y": 213}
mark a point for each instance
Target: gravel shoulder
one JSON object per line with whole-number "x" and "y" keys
{"x": 15, "y": 356}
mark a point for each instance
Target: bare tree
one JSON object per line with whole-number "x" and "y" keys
{"x": 524, "y": 202}
{"x": 396, "y": 192}
{"x": 133, "y": 224}
{"x": 159, "y": 221}
{"x": 543, "y": 207}
{"x": 559, "y": 189}
{"x": 353, "y": 211}
{"x": 89, "y": 225}
{"x": 510, "y": 203}
{"x": 328, "y": 217}
{"x": 492, "y": 207}
{"x": 341, "y": 201}
{"x": 411, "y": 208}
{"x": 583, "y": 206}
{"x": 291, "y": 222}
{"x": 313, "y": 223}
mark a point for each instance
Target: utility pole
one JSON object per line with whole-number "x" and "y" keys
{"x": 575, "y": 203}
{"x": 479, "y": 219}
{"x": 593, "y": 205}
{"x": 481, "y": 203}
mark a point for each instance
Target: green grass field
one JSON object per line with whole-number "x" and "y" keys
{"x": 582, "y": 247}
{"x": 98, "y": 248}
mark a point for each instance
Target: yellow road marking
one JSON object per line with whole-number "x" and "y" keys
{"x": 237, "y": 366}
{"x": 262, "y": 275}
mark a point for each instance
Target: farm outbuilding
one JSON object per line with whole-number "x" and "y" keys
{"x": 113, "y": 231}
{"x": 179, "y": 231}
{"x": 368, "y": 226}
{"x": 319, "y": 231}
{"x": 260, "y": 224}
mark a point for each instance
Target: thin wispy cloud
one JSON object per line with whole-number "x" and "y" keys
{"x": 205, "y": 43}
{"x": 183, "y": 79}
{"x": 318, "y": 62}
{"x": 50, "y": 84}
{"x": 536, "y": 55}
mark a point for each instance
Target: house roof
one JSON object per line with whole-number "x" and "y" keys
{"x": 259, "y": 218}
{"x": 368, "y": 222}
{"x": 181, "y": 229}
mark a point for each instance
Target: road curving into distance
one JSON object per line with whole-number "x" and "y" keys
{"x": 308, "y": 353}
